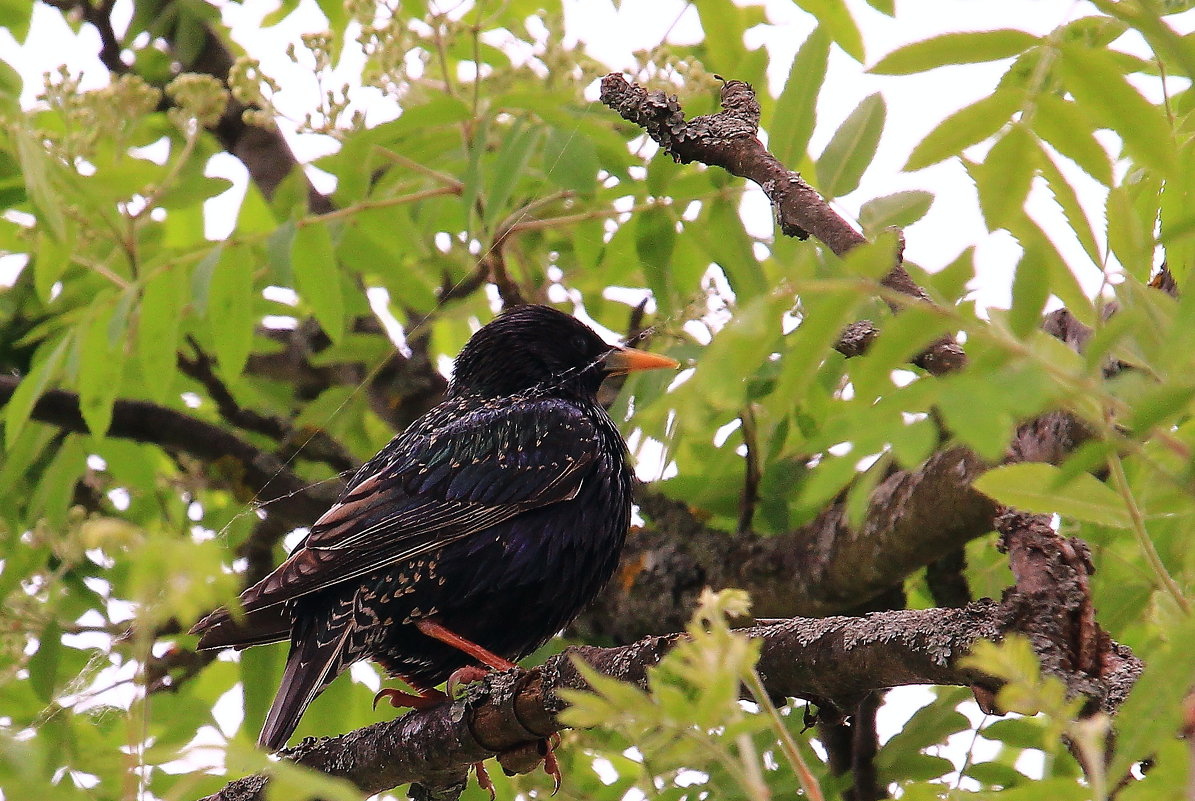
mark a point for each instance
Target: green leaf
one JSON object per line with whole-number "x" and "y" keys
{"x": 899, "y": 209}
{"x": 101, "y": 363}
{"x": 260, "y": 669}
{"x": 317, "y": 277}
{"x": 14, "y": 17}
{"x": 570, "y": 161}
{"x": 1030, "y": 291}
{"x": 836, "y": 18}
{"x": 36, "y": 166}
{"x": 1153, "y": 709}
{"x": 47, "y": 362}
{"x": 655, "y": 238}
{"x": 230, "y": 310}
{"x": 1068, "y": 201}
{"x": 50, "y": 262}
{"x": 852, "y": 148}
{"x": 43, "y": 665}
{"x": 1017, "y": 732}
{"x": 509, "y": 167}
{"x": 158, "y": 321}
{"x": 1097, "y": 82}
{"x": 1004, "y": 178}
{"x": 795, "y": 116}
{"x": 1068, "y": 130}
{"x": 969, "y": 47}
{"x": 1035, "y": 487}
{"x": 965, "y": 127}
{"x": 201, "y": 279}
{"x": 733, "y": 250}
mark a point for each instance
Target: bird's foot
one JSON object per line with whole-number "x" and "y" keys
{"x": 424, "y": 699}
{"x": 462, "y": 676}
{"x": 526, "y": 758}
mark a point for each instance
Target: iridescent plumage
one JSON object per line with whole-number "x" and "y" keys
{"x": 498, "y": 515}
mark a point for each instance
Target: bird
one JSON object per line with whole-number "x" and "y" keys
{"x": 470, "y": 539}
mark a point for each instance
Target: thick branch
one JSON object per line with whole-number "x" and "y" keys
{"x": 837, "y": 660}
{"x": 285, "y": 494}
{"x": 728, "y": 140}
{"x": 824, "y": 567}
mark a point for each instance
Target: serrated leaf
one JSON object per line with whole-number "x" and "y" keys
{"x": 43, "y": 665}
{"x": 159, "y": 318}
{"x": 230, "y": 310}
{"x": 508, "y": 168}
{"x": 1068, "y": 130}
{"x": 967, "y": 47}
{"x": 899, "y": 209}
{"x": 1036, "y": 487}
{"x": 835, "y": 17}
{"x": 851, "y": 149}
{"x": 1017, "y": 732}
{"x": 795, "y": 116}
{"x": 51, "y": 260}
{"x": 655, "y": 238}
{"x": 317, "y": 277}
{"x": 100, "y": 368}
{"x": 570, "y": 160}
{"x": 1097, "y": 82}
{"x": 1068, "y": 201}
{"x": 36, "y": 167}
{"x": 1004, "y": 178}
{"x": 46, "y": 364}
{"x": 965, "y": 127}
{"x": 1030, "y": 291}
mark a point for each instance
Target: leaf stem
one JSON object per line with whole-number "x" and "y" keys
{"x": 787, "y": 744}
{"x": 1163, "y": 577}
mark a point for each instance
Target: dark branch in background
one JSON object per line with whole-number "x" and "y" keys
{"x": 835, "y": 662}
{"x": 282, "y": 492}
{"x": 728, "y": 140}
{"x": 824, "y": 567}
{"x": 311, "y": 444}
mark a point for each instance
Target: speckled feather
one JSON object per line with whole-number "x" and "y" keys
{"x": 501, "y": 513}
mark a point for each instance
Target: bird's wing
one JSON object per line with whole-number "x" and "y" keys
{"x": 484, "y": 468}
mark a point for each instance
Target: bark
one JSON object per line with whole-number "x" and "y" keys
{"x": 728, "y": 140}
{"x": 835, "y": 660}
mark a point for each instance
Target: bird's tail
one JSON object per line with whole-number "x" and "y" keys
{"x": 311, "y": 666}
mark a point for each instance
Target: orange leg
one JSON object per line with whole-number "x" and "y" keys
{"x": 486, "y": 657}
{"x": 467, "y": 674}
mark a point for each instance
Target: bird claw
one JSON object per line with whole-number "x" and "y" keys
{"x": 526, "y": 758}
{"x": 462, "y": 676}
{"x": 551, "y": 765}
{"x": 399, "y": 699}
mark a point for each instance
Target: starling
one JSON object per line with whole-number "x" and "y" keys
{"x": 474, "y": 536}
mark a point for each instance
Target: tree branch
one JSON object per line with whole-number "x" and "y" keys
{"x": 728, "y": 140}
{"x": 273, "y": 485}
{"x": 836, "y": 660}
{"x": 824, "y": 567}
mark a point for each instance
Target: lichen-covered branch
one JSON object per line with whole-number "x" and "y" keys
{"x": 728, "y": 140}
{"x": 835, "y": 660}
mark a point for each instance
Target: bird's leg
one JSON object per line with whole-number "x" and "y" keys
{"x": 422, "y": 698}
{"x": 438, "y": 632}
{"x": 470, "y": 673}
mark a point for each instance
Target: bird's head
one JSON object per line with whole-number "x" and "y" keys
{"x": 531, "y": 347}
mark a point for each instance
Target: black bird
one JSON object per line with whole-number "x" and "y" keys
{"x": 476, "y": 534}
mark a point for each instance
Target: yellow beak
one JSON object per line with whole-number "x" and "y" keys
{"x": 628, "y": 360}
